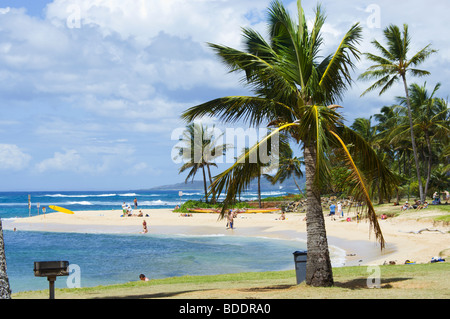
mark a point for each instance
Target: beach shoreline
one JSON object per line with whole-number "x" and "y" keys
{"x": 355, "y": 239}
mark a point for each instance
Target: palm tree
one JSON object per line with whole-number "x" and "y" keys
{"x": 289, "y": 166}
{"x": 395, "y": 148}
{"x": 295, "y": 90}
{"x": 199, "y": 151}
{"x": 255, "y": 168}
{"x": 430, "y": 119}
{"x": 393, "y": 65}
{"x": 5, "y": 291}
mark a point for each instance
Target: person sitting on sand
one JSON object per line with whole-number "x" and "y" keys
{"x": 446, "y": 196}
{"x": 405, "y": 207}
{"x": 383, "y": 217}
{"x": 425, "y": 205}
{"x": 142, "y": 277}
{"x": 282, "y": 217}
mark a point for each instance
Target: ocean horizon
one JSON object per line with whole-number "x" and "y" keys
{"x": 105, "y": 259}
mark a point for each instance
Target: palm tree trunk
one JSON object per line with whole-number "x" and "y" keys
{"x": 204, "y": 184}
{"x": 210, "y": 182}
{"x": 413, "y": 140}
{"x": 5, "y": 291}
{"x": 297, "y": 185}
{"x": 318, "y": 266}
{"x": 259, "y": 190}
{"x": 427, "y": 138}
{"x": 380, "y": 196}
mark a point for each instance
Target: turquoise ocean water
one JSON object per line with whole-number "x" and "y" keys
{"x": 118, "y": 258}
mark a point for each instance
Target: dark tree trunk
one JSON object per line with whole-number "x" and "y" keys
{"x": 318, "y": 267}
{"x": 259, "y": 190}
{"x": 204, "y": 184}
{"x": 5, "y": 290}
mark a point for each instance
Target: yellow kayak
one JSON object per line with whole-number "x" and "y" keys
{"x": 246, "y": 211}
{"x": 261, "y": 210}
{"x": 203, "y": 210}
{"x": 61, "y": 209}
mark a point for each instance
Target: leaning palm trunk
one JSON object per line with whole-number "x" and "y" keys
{"x": 5, "y": 291}
{"x": 204, "y": 184}
{"x": 298, "y": 187}
{"x": 318, "y": 267}
{"x": 259, "y": 190}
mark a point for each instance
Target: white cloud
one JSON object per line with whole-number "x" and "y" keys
{"x": 12, "y": 157}
{"x": 143, "y": 20}
{"x": 67, "y": 161}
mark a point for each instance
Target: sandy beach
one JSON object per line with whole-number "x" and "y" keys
{"x": 403, "y": 240}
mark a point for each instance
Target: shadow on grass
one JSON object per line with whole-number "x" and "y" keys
{"x": 151, "y": 296}
{"x": 269, "y": 288}
{"x": 361, "y": 283}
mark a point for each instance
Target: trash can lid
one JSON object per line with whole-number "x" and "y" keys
{"x": 300, "y": 252}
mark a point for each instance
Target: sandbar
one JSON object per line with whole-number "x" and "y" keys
{"x": 403, "y": 242}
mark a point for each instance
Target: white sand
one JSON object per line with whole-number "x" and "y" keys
{"x": 354, "y": 238}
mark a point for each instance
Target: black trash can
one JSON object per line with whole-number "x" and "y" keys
{"x": 300, "y": 257}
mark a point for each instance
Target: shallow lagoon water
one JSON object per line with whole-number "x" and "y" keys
{"x": 105, "y": 259}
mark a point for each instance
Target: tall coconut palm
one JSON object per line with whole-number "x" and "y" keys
{"x": 393, "y": 65}
{"x": 430, "y": 120}
{"x": 389, "y": 119}
{"x": 5, "y": 291}
{"x": 199, "y": 152}
{"x": 295, "y": 90}
{"x": 289, "y": 166}
{"x": 256, "y": 169}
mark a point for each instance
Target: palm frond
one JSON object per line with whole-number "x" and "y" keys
{"x": 337, "y": 77}
{"x": 418, "y": 73}
{"x": 254, "y": 110}
{"x": 387, "y": 55}
{"x": 363, "y": 194}
{"x": 369, "y": 162}
{"x": 421, "y": 56}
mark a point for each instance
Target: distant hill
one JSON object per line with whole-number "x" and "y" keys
{"x": 288, "y": 185}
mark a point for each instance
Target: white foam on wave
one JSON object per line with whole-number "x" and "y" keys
{"x": 157, "y": 203}
{"x": 86, "y": 203}
{"x": 79, "y": 196}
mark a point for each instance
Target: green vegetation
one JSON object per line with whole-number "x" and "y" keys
{"x": 420, "y": 281}
{"x": 289, "y": 197}
{"x": 191, "y": 204}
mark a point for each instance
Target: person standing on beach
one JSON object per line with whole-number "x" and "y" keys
{"x": 332, "y": 210}
{"x": 339, "y": 210}
{"x": 135, "y": 203}
{"x": 144, "y": 226}
{"x": 230, "y": 219}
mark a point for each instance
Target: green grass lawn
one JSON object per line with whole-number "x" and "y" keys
{"x": 422, "y": 281}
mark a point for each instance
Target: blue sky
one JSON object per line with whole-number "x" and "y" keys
{"x": 91, "y": 90}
